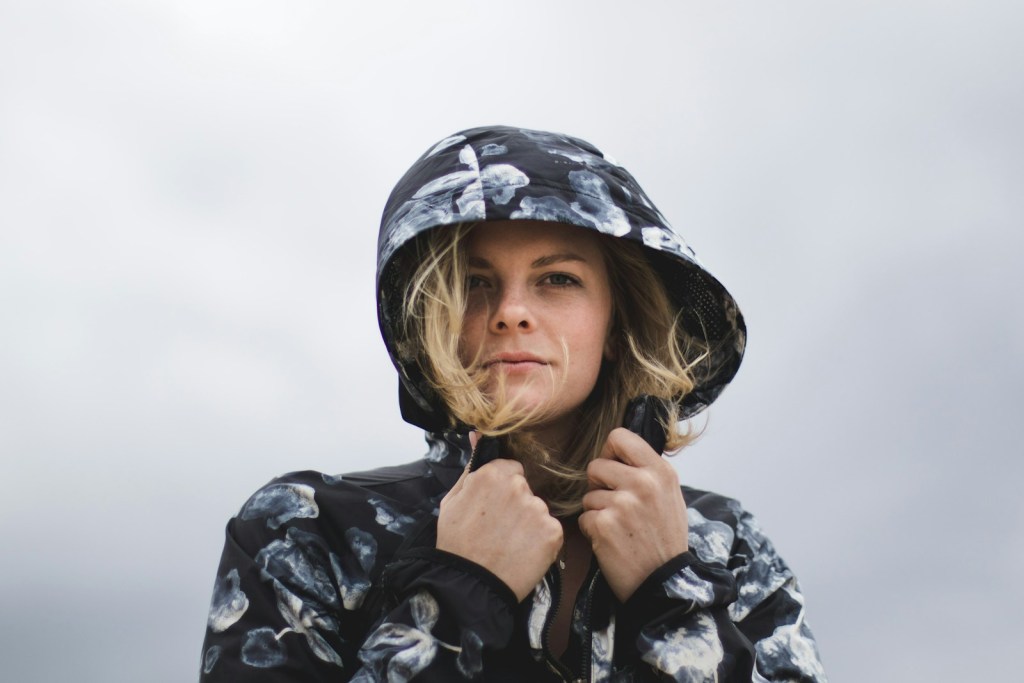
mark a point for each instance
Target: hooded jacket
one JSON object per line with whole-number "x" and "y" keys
{"x": 337, "y": 578}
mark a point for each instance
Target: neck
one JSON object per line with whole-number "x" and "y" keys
{"x": 556, "y": 436}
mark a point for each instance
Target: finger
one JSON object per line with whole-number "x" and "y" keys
{"x": 454, "y": 490}
{"x": 625, "y": 446}
{"x": 504, "y": 466}
{"x": 586, "y": 523}
{"x": 598, "y": 499}
{"x": 609, "y": 474}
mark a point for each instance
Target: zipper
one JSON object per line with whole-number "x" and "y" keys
{"x": 553, "y": 663}
{"x": 472, "y": 456}
{"x": 586, "y": 666}
{"x": 487, "y": 448}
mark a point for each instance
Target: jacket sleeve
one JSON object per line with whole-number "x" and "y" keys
{"x": 291, "y": 606}
{"x": 449, "y": 612}
{"x": 728, "y": 609}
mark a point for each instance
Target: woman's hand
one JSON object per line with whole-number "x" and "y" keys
{"x": 492, "y": 518}
{"x": 634, "y": 513}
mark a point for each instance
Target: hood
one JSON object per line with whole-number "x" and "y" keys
{"x": 503, "y": 173}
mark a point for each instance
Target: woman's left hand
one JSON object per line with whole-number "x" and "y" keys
{"x": 634, "y": 514}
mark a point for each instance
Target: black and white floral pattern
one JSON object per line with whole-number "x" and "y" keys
{"x": 691, "y": 651}
{"x": 396, "y": 652}
{"x": 228, "y": 604}
{"x": 358, "y": 593}
{"x": 280, "y": 503}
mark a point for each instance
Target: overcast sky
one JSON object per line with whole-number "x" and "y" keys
{"x": 189, "y": 199}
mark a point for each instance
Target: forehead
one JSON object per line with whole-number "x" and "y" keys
{"x": 500, "y": 239}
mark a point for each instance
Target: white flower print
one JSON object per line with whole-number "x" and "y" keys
{"x": 389, "y": 518}
{"x": 593, "y": 206}
{"x": 602, "y": 645}
{"x": 397, "y": 652}
{"x": 539, "y": 613}
{"x": 491, "y": 149}
{"x": 354, "y": 583}
{"x": 278, "y": 503}
{"x": 689, "y": 653}
{"x": 500, "y": 182}
{"x": 210, "y": 658}
{"x": 553, "y": 209}
{"x": 262, "y": 649}
{"x": 709, "y": 539}
{"x": 303, "y": 558}
{"x": 470, "y": 661}
{"x": 790, "y": 646}
{"x": 304, "y": 619}
{"x": 594, "y": 201}
{"x": 686, "y": 585}
{"x": 445, "y": 144}
{"x": 431, "y": 204}
{"x": 665, "y": 240}
{"x": 363, "y": 545}
{"x": 763, "y": 574}
{"x": 228, "y": 604}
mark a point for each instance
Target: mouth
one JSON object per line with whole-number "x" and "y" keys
{"x": 514, "y": 361}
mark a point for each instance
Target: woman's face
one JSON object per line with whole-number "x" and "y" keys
{"x": 535, "y": 288}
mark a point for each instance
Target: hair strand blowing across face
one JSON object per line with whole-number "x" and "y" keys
{"x": 651, "y": 355}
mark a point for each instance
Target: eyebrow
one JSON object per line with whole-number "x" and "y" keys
{"x": 478, "y": 262}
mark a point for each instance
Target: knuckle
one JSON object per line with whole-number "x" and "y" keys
{"x": 555, "y": 536}
{"x": 513, "y": 466}
{"x": 598, "y": 523}
{"x": 646, "y": 482}
{"x": 539, "y": 507}
{"x": 519, "y": 485}
{"x": 630, "y": 503}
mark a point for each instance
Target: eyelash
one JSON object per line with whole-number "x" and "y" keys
{"x": 474, "y": 281}
{"x": 570, "y": 280}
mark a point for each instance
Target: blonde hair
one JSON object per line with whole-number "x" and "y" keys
{"x": 653, "y": 355}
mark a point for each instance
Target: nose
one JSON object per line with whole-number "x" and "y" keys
{"x": 512, "y": 313}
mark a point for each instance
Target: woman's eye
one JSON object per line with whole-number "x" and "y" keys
{"x": 474, "y": 281}
{"x": 562, "y": 279}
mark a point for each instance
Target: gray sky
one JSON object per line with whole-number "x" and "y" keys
{"x": 189, "y": 197}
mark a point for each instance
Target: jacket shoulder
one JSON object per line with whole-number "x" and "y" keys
{"x": 409, "y": 477}
{"x": 389, "y": 497}
{"x": 714, "y": 505}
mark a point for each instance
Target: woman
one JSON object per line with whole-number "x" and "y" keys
{"x": 533, "y": 301}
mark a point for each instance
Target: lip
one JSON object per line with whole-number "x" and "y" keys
{"x": 513, "y": 360}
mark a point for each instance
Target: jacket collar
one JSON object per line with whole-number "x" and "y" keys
{"x": 448, "y": 454}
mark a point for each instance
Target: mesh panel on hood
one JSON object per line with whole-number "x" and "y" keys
{"x": 502, "y": 173}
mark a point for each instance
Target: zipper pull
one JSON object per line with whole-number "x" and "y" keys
{"x": 487, "y": 449}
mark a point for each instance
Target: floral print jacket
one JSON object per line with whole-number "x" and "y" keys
{"x": 336, "y": 578}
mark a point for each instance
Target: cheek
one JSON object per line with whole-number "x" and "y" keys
{"x": 592, "y": 340}
{"x": 471, "y": 337}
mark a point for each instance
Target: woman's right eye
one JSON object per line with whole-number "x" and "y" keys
{"x": 474, "y": 281}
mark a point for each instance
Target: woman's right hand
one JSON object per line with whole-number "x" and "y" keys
{"x": 491, "y": 517}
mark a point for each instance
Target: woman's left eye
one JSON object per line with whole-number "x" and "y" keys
{"x": 561, "y": 279}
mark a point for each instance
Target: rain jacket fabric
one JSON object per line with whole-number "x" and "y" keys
{"x": 327, "y": 578}
{"x": 337, "y": 578}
